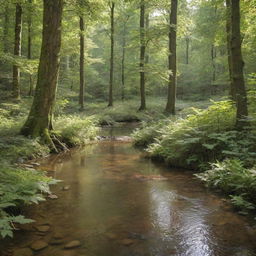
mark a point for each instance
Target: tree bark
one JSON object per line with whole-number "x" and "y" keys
{"x": 39, "y": 121}
{"x": 237, "y": 65}
{"x": 123, "y": 62}
{"x": 142, "y": 56}
{"x": 31, "y": 89}
{"x": 81, "y": 94}
{"x": 171, "y": 100}
{"x": 232, "y": 92}
{"x": 111, "y": 75}
{"x": 6, "y": 28}
{"x": 187, "y": 50}
{"x": 17, "y": 51}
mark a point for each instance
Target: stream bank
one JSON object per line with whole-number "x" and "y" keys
{"x": 113, "y": 201}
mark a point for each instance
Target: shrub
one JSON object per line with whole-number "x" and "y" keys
{"x": 232, "y": 178}
{"x": 188, "y": 142}
{"x": 75, "y": 130}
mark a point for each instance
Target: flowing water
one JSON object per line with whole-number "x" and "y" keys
{"x": 118, "y": 203}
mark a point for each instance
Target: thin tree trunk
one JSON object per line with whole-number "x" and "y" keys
{"x": 31, "y": 89}
{"x": 17, "y": 51}
{"x": 238, "y": 66}
{"x": 39, "y": 122}
{"x": 6, "y": 28}
{"x": 213, "y": 57}
{"x": 111, "y": 75}
{"x": 187, "y": 50}
{"x": 228, "y": 29}
{"x": 81, "y": 94}
{"x": 142, "y": 56}
{"x": 171, "y": 101}
{"x": 123, "y": 61}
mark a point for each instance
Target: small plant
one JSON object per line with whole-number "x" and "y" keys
{"x": 75, "y": 130}
{"x": 19, "y": 187}
{"x": 232, "y": 178}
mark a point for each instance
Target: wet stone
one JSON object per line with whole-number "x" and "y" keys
{"x": 38, "y": 245}
{"x": 127, "y": 242}
{"x": 23, "y": 252}
{"x": 43, "y": 228}
{"x": 53, "y": 196}
{"x": 66, "y": 188}
{"x": 73, "y": 244}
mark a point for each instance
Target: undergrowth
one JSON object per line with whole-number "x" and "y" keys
{"x": 19, "y": 186}
{"x": 207, "y": 140}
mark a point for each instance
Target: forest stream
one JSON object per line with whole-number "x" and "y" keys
{"x": 115, "y": 202}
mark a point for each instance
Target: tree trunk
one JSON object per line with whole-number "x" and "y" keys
{"x": 237, "y": 65}
{"x": 31, "y": 89}
{"x": 187, "y": 50}
{"x": 81, "y": 94}
{"x": 39, "y": 122}
{"x": 142, "y": 56}
{"x": 232, "y": 92}
{"x": 111, "y": 76}
{"x": 17, "y": 51}
{"x": 171, "y": 101}
{"x": 6, "y": 28}
{"x": 123, "y": 62}
{"x": 213, "y": 57}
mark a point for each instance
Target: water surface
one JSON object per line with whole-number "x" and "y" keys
{"x": 121, "y": 204}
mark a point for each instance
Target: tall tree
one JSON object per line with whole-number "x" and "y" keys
{"x": 17, "y": 51}
{"x": 124, "y": 55}
{"x": 172, "y": 59}
{"x": 30, "y": 93}
{"x": 228, "y": 30}
{"x": 39, "y": 121}
{"x": 81, "y": 94}
{"x": 111, "y": 75}
{"x": 237, "y": 65}
{"x": 6, "y": 27}
{"x": 142, "y": 56}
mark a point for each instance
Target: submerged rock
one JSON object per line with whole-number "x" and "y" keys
{"x": 38, "y": 245}
{"x": 127, "y": 242}
{"x": 73, "y": 244}
{"x": 43, "y": 228}
{"x": 66, "y": 188}
{"x": 23, "y": 252}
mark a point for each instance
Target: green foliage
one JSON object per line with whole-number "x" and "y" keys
{"x": 232, "y": 178}
{"x": 18, "y": 187}
{"x": 147, "y": 134}
{"x": 75, "y": 130}
{"x": 189, "y": 142}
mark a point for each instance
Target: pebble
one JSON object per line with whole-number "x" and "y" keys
{"x": 23, "y": 252}
{"x": 38, "y": 245}
{"x": 127, "y": 242}
{"x": 73, "y": 244}
{"x": 43, "y": 228}
{"x": 66, "y": 188}
{"x": 53, "y": 197}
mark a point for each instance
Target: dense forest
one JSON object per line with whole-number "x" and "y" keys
{"x": 180, "y": 73}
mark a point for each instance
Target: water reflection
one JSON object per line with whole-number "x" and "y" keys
{"x": 122, "y": 204}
